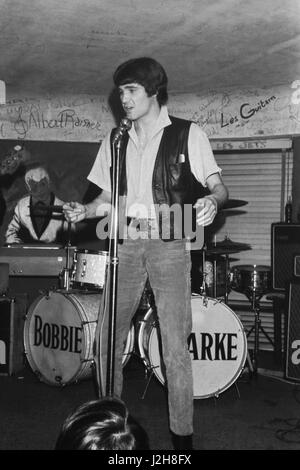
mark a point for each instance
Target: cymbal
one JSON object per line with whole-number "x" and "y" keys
{"x": 232, "y": 212}
{"x": 233, "y": 203}
{"x": 227, "y": 246}
{"x": 221, "y": 251}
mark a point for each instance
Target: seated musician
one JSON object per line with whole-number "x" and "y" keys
{"x": 36, "y": 216}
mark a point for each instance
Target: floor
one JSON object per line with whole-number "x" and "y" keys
{"x": 254, "y": 413}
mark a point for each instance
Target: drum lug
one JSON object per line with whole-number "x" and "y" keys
{"x": 45, "y": 293}
{"x": 58, "y": 379}
{"x": 205, "y": 300}
{"x": 73, "y": 270}
{"x": 83, "y": 323}
{"x": 83, "y": 272}
{"x": 37, "y": 373}
{"x": 87, "y": 360}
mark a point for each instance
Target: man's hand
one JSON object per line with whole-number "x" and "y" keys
{"x": 74, "y": 212}
{"x": 207, "y": 210}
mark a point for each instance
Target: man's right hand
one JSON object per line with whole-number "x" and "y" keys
{"x": 74, "y": 211}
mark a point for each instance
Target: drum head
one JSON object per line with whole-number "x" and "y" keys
{"x": 58, "y": 336}
{"x": 217, "y": 346}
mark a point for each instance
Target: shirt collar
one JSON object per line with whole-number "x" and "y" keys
{"x": 162, "y": 121}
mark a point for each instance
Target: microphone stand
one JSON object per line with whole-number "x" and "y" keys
{"x": 113, "y": 271}
{"x": 109, "y": 298}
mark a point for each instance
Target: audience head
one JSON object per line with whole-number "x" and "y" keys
{"x": 103, "y": 424}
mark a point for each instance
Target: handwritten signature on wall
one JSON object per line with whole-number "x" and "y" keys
{"x": 67, "y": 118}
{"x": 246, "y": 111}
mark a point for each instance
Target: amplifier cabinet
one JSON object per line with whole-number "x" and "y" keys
{"x": 285, "y": 244}
{"x": 297, "y": 266}
{"x": 12, "y": 316}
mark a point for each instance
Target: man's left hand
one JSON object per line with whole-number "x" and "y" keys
{"x": 206, "y": 210}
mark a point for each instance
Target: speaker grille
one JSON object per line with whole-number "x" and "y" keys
{"x": 285, "y": 245}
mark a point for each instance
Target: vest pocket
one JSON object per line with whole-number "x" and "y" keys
{"x": 176, "y": 171}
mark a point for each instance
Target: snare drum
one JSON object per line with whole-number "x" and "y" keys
{"x": 250, "y": 279}
{"x": 89, "y": 268}
{"x": 59, "y": 334}
{"x": 217, "y": 344}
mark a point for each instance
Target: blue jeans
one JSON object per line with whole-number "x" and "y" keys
{"x": 168, "y": 265}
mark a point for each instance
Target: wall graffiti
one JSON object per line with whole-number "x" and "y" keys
{"x": 222, "y": 114}
{"x": 83, "y": 118}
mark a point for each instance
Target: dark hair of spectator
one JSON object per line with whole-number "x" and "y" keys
{"x": 101, "y": 425}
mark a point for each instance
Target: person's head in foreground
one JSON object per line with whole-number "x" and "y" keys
{"x": 103, "y": 424}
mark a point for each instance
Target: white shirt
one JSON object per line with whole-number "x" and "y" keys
{"x": 140, "y": 163}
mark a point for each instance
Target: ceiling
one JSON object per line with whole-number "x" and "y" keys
{"x": 72, "y": 46}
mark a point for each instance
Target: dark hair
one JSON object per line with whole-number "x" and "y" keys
{"x": 146, "y": 72}
{"x": 103, "y": 424}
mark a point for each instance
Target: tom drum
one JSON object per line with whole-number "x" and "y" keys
{"x": 251, "y": 278}
{"x": 89, "y": 268}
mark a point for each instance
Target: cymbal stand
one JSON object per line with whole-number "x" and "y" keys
{"x": 215, "y": 272}
{"x": 66, "y": 270}
{"x": 203, "y": 286}
{"x": 227, "y": 271}
{"x": 254, "y": 297}
{"x": 215, "y": 277}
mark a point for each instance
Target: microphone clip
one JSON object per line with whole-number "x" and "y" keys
{"x": 124, "y": 126}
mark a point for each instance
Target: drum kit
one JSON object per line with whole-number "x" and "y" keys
{"x": 60, "y": 325}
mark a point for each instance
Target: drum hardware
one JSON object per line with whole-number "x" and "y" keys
{"x": 67, "y": 268}
{"x": 147, "y": 298}
{"x": 254, "y": 281}
{"x": 257, "y": 327}
{"x": 143, "y": 325}
{"x": 50, "y": 209}
{"x": 87, "y": 360}
{"x": 219, "y": 252}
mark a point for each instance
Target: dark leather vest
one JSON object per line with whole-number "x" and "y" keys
{"x": 173, "y": 183}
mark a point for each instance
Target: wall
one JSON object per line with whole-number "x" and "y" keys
{"x": 64, "y": 133}
{"x": 227, "y": 114}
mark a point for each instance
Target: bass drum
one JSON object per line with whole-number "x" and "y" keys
{"x": 217, "y": 344}
{"x": 59, "y": 334}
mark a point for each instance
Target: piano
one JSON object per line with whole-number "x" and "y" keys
{"x": 35, "y": 260}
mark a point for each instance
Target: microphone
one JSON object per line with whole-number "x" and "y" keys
{"x": 124, "y": 126}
